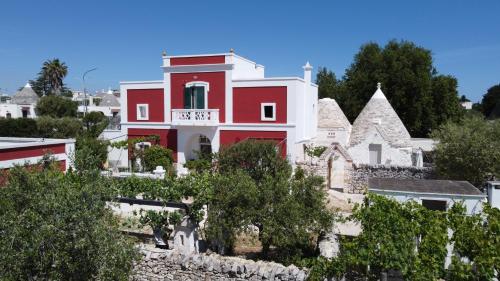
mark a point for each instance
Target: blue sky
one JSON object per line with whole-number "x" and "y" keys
{"x": 124, "y": 39}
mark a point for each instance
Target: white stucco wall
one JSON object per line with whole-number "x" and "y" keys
{"x": 390, "y": 155}
{"x": 327, "y": 136}
{"x": 15, "y": 110}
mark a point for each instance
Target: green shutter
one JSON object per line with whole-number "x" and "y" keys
{"x": 200, "y": 97}
{"x": 187, "y": 98}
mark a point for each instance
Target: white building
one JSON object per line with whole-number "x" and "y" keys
{"x": 106, "y": 102}
{"x": 377, "y": 137}
{"x": 22, "y": 104}
{"x": 493, "y": 190}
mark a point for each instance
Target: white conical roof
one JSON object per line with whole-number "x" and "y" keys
{"x": 378, "y": 112}
{"x": 25, "y": 96}
{"x": 109, "y": 100}
{"x": 330, "y": 115}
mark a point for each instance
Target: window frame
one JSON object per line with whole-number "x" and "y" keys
{"x": 206, "y": 89}
{"x": 138, "y": 111}
{"x": 263, "y": 112}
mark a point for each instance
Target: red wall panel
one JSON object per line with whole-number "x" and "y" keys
{"x": 216, "y": 94}
{"x": 198, "y": 60}
{"x": 168, "y": 137}
{"x": 247, "y": 103}
{"x": 33, "y": 151}
{"x": 231, "y": 137}
{"x": 152, "y": 97}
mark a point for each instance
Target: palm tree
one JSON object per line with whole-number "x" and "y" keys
{"x": 54, "y": 71}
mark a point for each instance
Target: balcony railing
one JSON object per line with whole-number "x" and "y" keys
{"x": 195, "y": 116}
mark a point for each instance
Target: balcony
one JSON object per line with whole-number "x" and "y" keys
{"x": 195, "y": 117}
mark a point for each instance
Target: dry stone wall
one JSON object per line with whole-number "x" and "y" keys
{"x": 158, "y": 264}
{"x": 358, "y": 176}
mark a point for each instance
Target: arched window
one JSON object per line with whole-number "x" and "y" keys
{"x": 195, "y": 95}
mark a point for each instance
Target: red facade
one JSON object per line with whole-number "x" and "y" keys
{"x": 197, "y": 60}
{"x": 216, "y": 93}
{"x": 152, "y": 97}
{"x": 230, "y": 137}
{"x": 247, "y": 103}
{"x": 33, "y": 151}
{"x": 168, "y": 137}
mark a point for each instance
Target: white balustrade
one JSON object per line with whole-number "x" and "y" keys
{"x": 195, "y": 116}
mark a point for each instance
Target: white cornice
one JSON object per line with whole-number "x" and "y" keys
{"x": 141, "y": 82}
{"x": 198, "y": 68}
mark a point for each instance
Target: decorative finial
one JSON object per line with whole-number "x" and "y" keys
{"x": 379, "y": 85}
{"x": 231, "y": 50}
{"x": 164, "y": 53}
{"x": 308, "y": 66}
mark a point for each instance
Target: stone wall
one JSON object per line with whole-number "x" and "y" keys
{"x": 158, "y": 264}
{"x": 358, "y": 176}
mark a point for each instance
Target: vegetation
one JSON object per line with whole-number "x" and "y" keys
{"x": 50, "y": 79}
{"x": 66, "y": 127}
{"x": 468, "y": 150}
{"x": 291, "y": 211}
{"x": 56, "y": 107}
{"x": 136, "y": 154}
{"x": 410, "y": 239}
{"x": 19, "y": 127}
{"x": 158, "y": 155}
{"x": 57, "y": 227}
{"x": 422, "y": 98}
{"x": 490, "y": 104}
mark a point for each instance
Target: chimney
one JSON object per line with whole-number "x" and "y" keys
{"x": 307, "y": 73}
{"x": 166, "y": 60}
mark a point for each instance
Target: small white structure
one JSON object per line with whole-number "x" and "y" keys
{"x": 105, "y": 102}
{"x": 433, "y": 194}
{"x": 22, "y": 104}
{"x": 378, "y": 136}
{"x": 185, "y": 237}
{"x": 493, "y": 190}
{"x": 466, "y": 105}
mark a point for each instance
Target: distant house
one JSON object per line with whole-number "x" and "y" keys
{"x": 433, "y": 194}
{"x": 493, "y": 191}
{"x": 106, "y": 102}
{"x": 22, "y": 104}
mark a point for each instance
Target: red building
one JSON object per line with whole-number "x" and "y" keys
{"x": 208, "y": 101}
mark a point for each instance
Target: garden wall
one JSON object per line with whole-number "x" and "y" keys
{"x": 157, "y": 264}
{"x": 357, "y": 178}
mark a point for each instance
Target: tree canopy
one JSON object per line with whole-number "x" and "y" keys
{"x": 490, "y": 104}
{"x": 56, "y": 106}
{"x": 50, "y": 78}
{"x": 57, "y": 227}
{"x": 468, "y": 150}
{"x": 254, "y": 187}
{"x": 422, "y": 98}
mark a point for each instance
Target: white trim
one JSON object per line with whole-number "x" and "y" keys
{"x": 141, "y": 82}
{"x": 6, "y": 164}
{"x": 198, "y": 55}
{"x": 138, "y": 111}
{"x": 263, "y": 113}
{"x": 30, "y": 142}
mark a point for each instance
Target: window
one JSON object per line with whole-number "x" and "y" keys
{"x": 435, "y": 205}
{"x": 375, "y": 153}
{"x": 195, "y": 95}
{"x": 142, "y": 112}
{"x": 205, "y": 146}
{"x": 25, "y": 112}
{"x": 268, "y": 111}
{"x": 9, "y": 115}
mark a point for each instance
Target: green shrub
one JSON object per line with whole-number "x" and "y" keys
{"x": 56, "y": 106}
{"x": 66, "y": 127}
{"x": 18, "y": 127}
{"x": 158, "y": 155}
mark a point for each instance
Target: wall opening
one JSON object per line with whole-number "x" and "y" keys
{"x": 375, "y": 153}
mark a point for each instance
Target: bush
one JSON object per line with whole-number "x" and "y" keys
{"x": 56, "y": 106}
{"x": 157, "y": 155}
{"x": 18, "y": 127}
{"x": 66, "y": 127}
{"x": 57, "y": 227}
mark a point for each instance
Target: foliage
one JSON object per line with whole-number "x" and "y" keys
{"x": 158, "y": 155}
{"x": 315, "y": 151}
{"x": 328, "y": 85}
{"x": 490, "y": 104}
{"x": 18, "y": 127}
{"x": 422, "y": 98}
{"x": 56, "y": 106}
{"x": 95, "y": 123}
{"x": 135, "y": 153}
{"x": 202, "y": 163}
{"x": 159, "y": 220}
{"x": 94, "y": 151}
{"x": 50, "y": 78}
{"x": 57, "y": 227}
{"x": 468, "y": 150}
{"x": 66, "y": 127}
{"x": 291, "y": 210}
{"x": 476, "y": 241}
